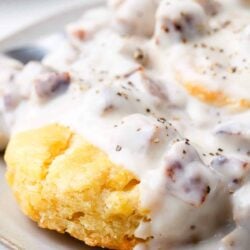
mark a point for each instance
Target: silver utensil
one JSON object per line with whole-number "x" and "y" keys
{"x": 26, "y": 54}
{"x": 37, "y": 49}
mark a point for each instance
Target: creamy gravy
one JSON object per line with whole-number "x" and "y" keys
{"x": 162, "y": 86}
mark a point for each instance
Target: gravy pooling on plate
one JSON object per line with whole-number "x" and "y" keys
{"x": 163, "y": 87}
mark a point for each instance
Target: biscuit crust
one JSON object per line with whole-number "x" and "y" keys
{"x": 66, "y": 184}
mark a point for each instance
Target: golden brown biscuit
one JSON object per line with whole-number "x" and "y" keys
{"x": 66, "y": 184}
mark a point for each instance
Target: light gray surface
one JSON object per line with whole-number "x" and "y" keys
{"x": 44, "y": 23}
{"x": 16, "y": 14}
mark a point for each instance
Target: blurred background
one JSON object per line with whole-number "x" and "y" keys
{"x": 18, "y": 14}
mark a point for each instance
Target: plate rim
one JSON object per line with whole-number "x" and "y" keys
{"x": 43, "y": 27}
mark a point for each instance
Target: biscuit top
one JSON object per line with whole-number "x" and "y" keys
{"x": 161, "y": 86}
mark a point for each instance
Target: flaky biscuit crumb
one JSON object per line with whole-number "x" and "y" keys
{"x": 66, "y": 184}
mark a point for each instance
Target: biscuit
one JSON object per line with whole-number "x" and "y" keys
{"x": 66, "y": 184}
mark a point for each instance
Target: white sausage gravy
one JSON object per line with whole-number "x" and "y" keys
{"x": 163, "y": 87}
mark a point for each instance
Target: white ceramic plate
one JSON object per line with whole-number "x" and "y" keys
{"x": 17, "y": 231}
